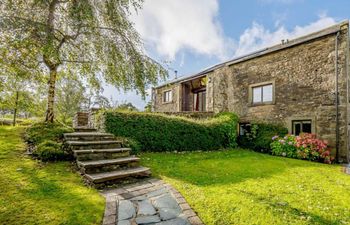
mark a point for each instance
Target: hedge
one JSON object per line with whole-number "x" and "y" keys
{"x": 159, "y": 132}
{"x": 261, "y": 135}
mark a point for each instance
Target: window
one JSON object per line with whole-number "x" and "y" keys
{"x": 262, "y": 94}
{"x": 167, "y": 96}
{"x": 244, "y": 128}
{"x": 199, "y": 101}
{"x": 301, "y": 126}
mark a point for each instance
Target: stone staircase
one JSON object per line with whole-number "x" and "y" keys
{"x": 101, "y": 159}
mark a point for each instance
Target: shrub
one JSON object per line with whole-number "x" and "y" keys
{"x": 305, "y": 146}
{"x": 259, "y": 137}
{"x": 284, "y": 146}
{"x": 133, "y": 144}
{"x": 50, "y": 151}
{"x": 40, "y": 132}
{"x": 159, "y": 132}
{"x": 47, "y": 139}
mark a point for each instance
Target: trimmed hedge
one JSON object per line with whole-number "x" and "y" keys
{"x": 259, "y": 139}
{"x": 159, "y": 132}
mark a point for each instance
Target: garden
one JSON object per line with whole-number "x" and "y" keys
{"x": 227, "y": 179}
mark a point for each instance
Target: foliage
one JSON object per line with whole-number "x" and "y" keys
{"x": 284, "y": 146}
{"x": 259, "y": 139}
{"x": 304, "y": 146}
{"x": 148, "y": 107}
{"x": 244, "y": 187}
{"x": 134, "y": 145}
{"x": 158, "y": 132}
{"x": 47, "y": 139}
{"x": 70, "y": 98}
{"x": 39, "y": 193}
{"x": 17, "y": 97}
{"x": 40, "y": 132}
{"x": 91, "y": 38}
{"x": 50, "y": 151}
{"x": 126, "y": 106}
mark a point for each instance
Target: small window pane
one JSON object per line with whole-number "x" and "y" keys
{"x": 267, "y": 93}
{"x": 306, "y": 127}
{"x": 297, "y": 128}
{"x": 256, "y": 94}
{"x": 167, "y": 96}
{"x": 170, "y": 96}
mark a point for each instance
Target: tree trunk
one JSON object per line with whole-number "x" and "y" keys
{"x": 15, "y": 110}
{"x": 51, "y": 96}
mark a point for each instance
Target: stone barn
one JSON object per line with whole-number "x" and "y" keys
{"x": 302, "y": 83}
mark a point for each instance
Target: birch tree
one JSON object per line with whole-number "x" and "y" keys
{"x": 93, "y": 38}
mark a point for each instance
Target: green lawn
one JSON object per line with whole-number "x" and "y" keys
{"x": 244, "y": 187}
{"x": 36, "y": 193}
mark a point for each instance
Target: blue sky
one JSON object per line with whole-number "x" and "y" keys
{"x": 191, "y": 35}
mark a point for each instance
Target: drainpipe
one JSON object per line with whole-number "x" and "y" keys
{"x": 347, "y": 90}
{"x": 336, "y": 100}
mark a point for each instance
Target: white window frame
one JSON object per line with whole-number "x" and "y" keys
{"x": 261, "y": 86}
{"x": 167, "y": 96}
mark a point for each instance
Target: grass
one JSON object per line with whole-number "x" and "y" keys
{"x": 244, "y": 187}
{"x": 32, "y": 192}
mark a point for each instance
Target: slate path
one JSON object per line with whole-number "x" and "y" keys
{"x": 347, "y": 169}
{"x": 148, "y": 202}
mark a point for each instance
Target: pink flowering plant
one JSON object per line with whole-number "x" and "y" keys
{"x": 305, "y": 146}
{"x": 284, "y": 146}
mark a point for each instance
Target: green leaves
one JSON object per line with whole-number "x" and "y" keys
{"x": 94, "y": 39}
{"x": 158, "y": 132}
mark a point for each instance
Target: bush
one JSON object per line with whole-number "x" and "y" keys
{"x": 47, "y": 139}
{"x": 259, "y": 137}
{"x": 305, "y": 146}
{"x": 50, "y": 151}
{"x": 134, "y": 145}
{"x": 158, "y": 132}
{"x": 40, "y": 132}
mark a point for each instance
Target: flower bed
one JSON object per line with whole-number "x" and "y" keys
{"x": 305, "y": 146}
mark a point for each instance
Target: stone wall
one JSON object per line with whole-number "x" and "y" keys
{"x": 304, "y": 80}
{"x": 304, "y": 87}
{"x": 174, "y": 105}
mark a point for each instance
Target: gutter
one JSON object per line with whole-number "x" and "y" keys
{"x": 336, "y": 99}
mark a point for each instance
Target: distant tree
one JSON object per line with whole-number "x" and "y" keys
{"x": 148, "y": 107}
{"x": 16, "y": 97}
{"x": 70, "y": 98}
{"x": 91, "y": 38}
{"x": 128, "y": 106}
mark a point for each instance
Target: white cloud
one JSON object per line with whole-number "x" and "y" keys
{"x": 171, "y": 26}
{"x": 258, "y": 37}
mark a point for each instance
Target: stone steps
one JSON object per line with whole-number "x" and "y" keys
{"x": 106, "y": 165}
{"x": 84, "y": 129}
{"x": 98, "y": 154}
{"x": 101, "y": 158}
{"x": 113, "y": 175}
{"x": 88, "y": 136}
{"x": 83, "y": 145}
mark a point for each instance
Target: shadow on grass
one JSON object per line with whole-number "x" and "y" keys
{"x": 68, "y": 195}
{"x": 221, "y": 167}
{"x": 50, "y": 194}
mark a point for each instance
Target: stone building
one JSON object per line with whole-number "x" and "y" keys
{"x": 294, "y": 83}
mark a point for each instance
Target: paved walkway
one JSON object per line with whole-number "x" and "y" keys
{"x": 347, "y": 169}
{"x": 148, "y": 202}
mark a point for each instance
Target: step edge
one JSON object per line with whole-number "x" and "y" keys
{"x": 101, "y": 150}
{"x": 118, "y": 160}
{"x": 115, "y": 176}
